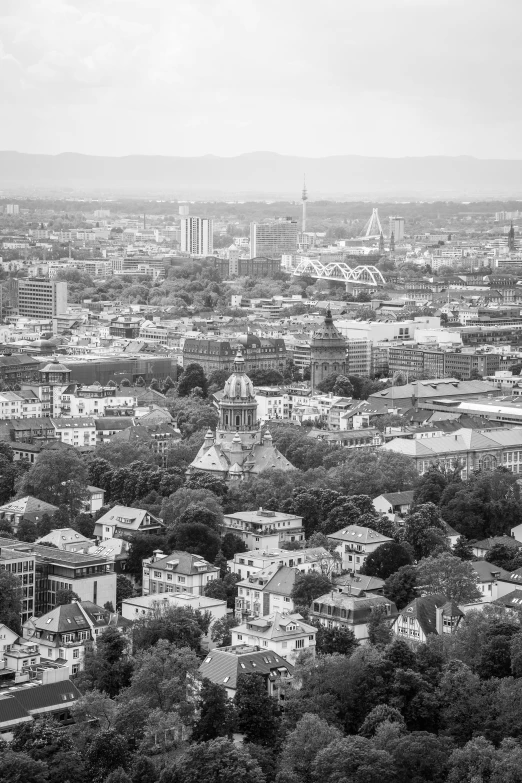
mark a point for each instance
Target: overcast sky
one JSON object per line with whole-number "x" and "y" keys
{"x": 224, "y": 77}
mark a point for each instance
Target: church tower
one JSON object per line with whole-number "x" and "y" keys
{"x": 327, "y": 352}
{"x": 238, "y": 408}
{"x": 511, "y": 238}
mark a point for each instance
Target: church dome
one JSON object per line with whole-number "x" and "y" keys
{"x": 239, "y": 386}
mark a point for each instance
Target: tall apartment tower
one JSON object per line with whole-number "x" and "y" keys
{"x": 397, "y": 228}
{"x": 41, "y": 298}
{"x": 304, "y": 199}
{"x": 327, "y": 352}
{"x": 197, "y": 236}
{"x": 12, "y": 209}
{"x": 273, "y": 239}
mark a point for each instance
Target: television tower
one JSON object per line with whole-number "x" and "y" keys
{"x": 304, "y": 199}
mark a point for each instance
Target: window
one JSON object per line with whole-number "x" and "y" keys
{"x": 299, "y": 644}
{"x": 76, "y": 653}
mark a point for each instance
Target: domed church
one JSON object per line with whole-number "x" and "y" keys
{"x": 238, "y": 449}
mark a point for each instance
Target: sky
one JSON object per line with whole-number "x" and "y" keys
{"x": 224, "y": 77}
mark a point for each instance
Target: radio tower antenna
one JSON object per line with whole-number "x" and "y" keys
{"x": 304, "y": 199}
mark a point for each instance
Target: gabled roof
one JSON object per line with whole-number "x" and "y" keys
{"x": 135, "y": 518}
{"x": 71, "y": 617}
{"x": 63, "y": 536}
{"x": 44, "y": 696}
{"x": 283, "y": 581}
{"x": 424, "y": 610}
{"x": 488, "y": 543}
{"x": 28, "y": 505}
{"x": 398, "y": 498}
{"x": 275, "y": 626}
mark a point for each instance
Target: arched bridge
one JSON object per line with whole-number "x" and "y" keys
{"x": 338, "y": 270}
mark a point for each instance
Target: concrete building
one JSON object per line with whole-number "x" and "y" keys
{"x": 179, "y": 572}
{"x": 197, "y": 236}
{"x": 264, "y": 529}
{"x": 396, "y": 228}
{"x": 274, "y": 238}
{"x": 40, "y": 297}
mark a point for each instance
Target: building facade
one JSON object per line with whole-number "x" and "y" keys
{"x": 179, "y": 572}
{"x": 41, "y": 297}
{"x": 259, "y": 353}
{"x": 264, "y": 529}
{"x": 197, "y": 236}
{"x": 327, "y": 352}
{"x": 273, "y": 239}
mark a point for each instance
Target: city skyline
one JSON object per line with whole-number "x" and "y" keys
{"x": 119, "y": 78}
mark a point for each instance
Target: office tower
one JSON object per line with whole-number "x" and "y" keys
{"x": 41, "y": 298}
{"x": 196, "y": 236}
{"x": 273, "y": 239}
{"x": 183, "y": 209}
{"x": 12, "y": 209}
{"x": 397, "y": 228}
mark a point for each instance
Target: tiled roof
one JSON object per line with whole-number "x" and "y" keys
{"x": 135, "y": 515}
{"x": 488, "y": 543}
{"x": 223, "y": 667}
{"x": 359, "y": 535}
{"x": 186, "y": 563}
{"x": 42, "y": 696}
{"x": 70, "y": 617}
{"x": 424, "y": 609}
{"x": 399, "y": 498}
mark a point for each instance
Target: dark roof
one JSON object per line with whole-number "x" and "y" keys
{"x": 511, "y": 600}
{"x": 399, "y": 498}
{"x": 424, "y": 609}
{"x": 54, "y": 693}
{"x": 222, "y": 663}
{"x": 488, "y": 543}
{"x": 11, "y": 709}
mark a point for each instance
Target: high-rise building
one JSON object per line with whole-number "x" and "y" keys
{"x": 274, "y": 238}
{"x": 41, "y": 298}
{"x": 183, "y": 209}
{"x": 396, "y": 228}
{"x": 12, "y": 209}
{"x": 196, "y": 236}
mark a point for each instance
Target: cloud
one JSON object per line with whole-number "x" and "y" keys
{"x": 390, "y": 77}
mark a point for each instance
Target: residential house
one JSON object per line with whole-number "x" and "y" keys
{"x": 66, "y": 538}
{"x": 343, "y": 610}
{"x": 21, "y": 704}
{"x": 179, "y": 572}
{"x": 318, "y": 558}
{"x": 147, "y": 605}
{"x": 394, "y": 503}
{"x": 27, "y": 508}
{"x": 7, "y": 639}
{"x": 495, "y": 582}
{"x": 95, "y": 499}
{"x": 267, "y": 591}
{"x": 108, "y": 426}
{"x": 516, "y": 532}
{"x": 431, "y": 614}
{"x": 511, "y": 600}
{"x": 264, "y": 529}
{"x": 115, "y": 550}
{"x": 65, "y": 633}
{"x": 127, "y": 521}
{"x": 354, "y": 543}
{"x": 282, "y": 633}
{"x": 223, "y": 665}
{"x": 481, "y": 548}
{"x": 358, "y": 584}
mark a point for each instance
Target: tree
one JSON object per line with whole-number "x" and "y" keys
{"x": 27, "y": 531}
{"x": 472, "y": 763}
{"x": 193, "y": 377}
{"x": 142, "y": 546}
{"x": 216, "y": 761}
{"x": 386, "y": 560}
{"x": 496, "y": 650}
{"x": 401, "y": 587}
{"x": 107, "y": 752}
{"x": 144, "y": 770}
{"x": 425, "y": 530}
{"x": 201, "y": 480}
{"x": 214, "y": 713}
{"x": 84, "y": 524}
{"x": 8, "y": 473}
{"x": 446, "y": 574}
{"x": 463, "y": 549}
{"x": 10, "y": 600}
{"x": 231, "y": 545}
{"x": 352, "y": 759}
{"x": 184, "y": 498}
{"x": 257, "y": 715}
{"x": 197, "y": 513}
{"x": 223, "y": 589}
{"x": 309, "y": 586}
{"x": 66, "y": 597}
{"x": 302, "y": 745}
{"x": 430, "y": 487}
{"x": 107, "y": 668}
{"x": 379, "y": 627}
{"x": 118, "y": 775}
{"x": 335, "y": 640}
{"x": 502, "y": 555}
{"x": 57, "y": 477}
{"x": 124, "y": 589}
{"x": 383, "y": 713}
{"x": 197, "y": 538}
{"x": 180, "y": 625}
{"x": 160, "y": 676}
{"x": 422, "y": 757}
{"x": 221, "y": 629}
{"x": 21, "y": 768}
{"x": 41, "y": 739}
{"x": 372, "y": 472}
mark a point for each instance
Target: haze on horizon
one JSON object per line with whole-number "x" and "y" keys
{"x": 193, "y": 77}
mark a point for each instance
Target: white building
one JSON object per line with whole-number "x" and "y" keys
{"x": 41, "y": 298}
{"x": 264, "y": 529}
{"x": 318, "y": 559}
{"x": 354, "y": 543}
{"x": 282, "y": 633}
{"x": 197, "y": 236}
{"x": 273, "y": 239}
{"x": 179, "y": 572}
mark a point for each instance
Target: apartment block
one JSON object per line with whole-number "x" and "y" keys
{"x": 273, "y": 239}
{"x": 40, "y": 297}
{"x": 197, "y": 236}
{"x": 179, "y": 572}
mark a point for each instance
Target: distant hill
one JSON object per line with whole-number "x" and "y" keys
{"x": 266, "y": 174}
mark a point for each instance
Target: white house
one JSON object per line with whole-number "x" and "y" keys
{"x": 394, "y": 503}
{"x": 267, "y": 591}
{"x": 318, "y": 558}
{"x": 281, "y": 633}
{"x": 354, "y": 543}
{"x": 264, "y": 529}
{"x": 345, "y": 610}
{"x": 125, "y": 519}
{"x": 179, "y": 572}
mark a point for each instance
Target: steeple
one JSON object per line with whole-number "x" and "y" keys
{"x": 381, "y": 243}
{"x": 511, "y": 238}
{"x": 392, "y": 242}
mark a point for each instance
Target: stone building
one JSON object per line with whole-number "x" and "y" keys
{"x": 238, "y": 448}
{"x": 327, "y": 352}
